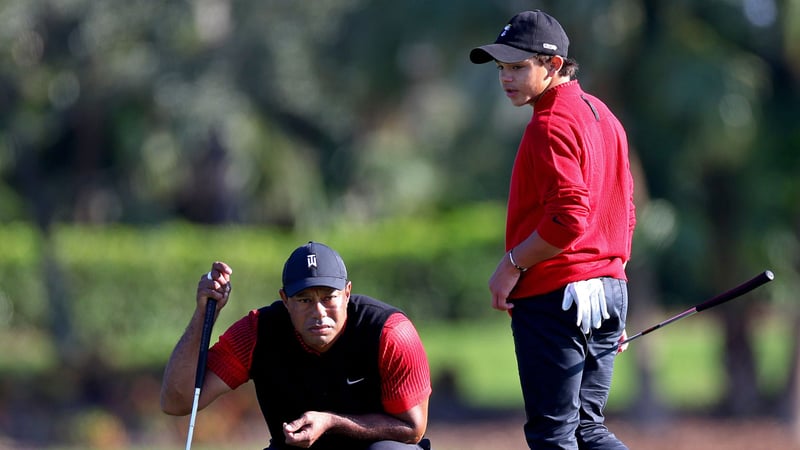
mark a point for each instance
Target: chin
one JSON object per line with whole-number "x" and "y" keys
{"x": 520, "y": 101}
{"x": 318, "y": 341}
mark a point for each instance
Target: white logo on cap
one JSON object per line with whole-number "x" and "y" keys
{"x": 550, "y": 46}
{"x": 505, "y": 30}
{"x": 311, "y": 260}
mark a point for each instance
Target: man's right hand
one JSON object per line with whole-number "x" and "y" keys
{"x": 501, "y": 284}
{"x": 215, "y": 284}
{"x": 177, "y": 386}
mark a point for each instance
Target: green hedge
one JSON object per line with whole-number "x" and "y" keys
{"x": 128, "y": 292}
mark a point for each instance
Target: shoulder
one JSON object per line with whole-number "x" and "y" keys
{"x": 397, "y": 320}
{"x": 365, "y": 304}
{"x": 399, "y": 330}
{"x": 274, "y": 308}
{"x": 273, "y": 318}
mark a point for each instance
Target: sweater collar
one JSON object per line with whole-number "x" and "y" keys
{"x": 548, "y": 97}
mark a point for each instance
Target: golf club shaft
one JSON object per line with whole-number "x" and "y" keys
{"x": 731, "y": 294}
{"x": 205, "y": 338}
{"x": 687, "y": 313}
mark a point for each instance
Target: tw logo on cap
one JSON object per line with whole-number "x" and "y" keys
{"x": 311, "y": 261}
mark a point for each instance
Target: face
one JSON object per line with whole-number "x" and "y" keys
{"x": 318, "y": 314}
{"x": 524, "y": 81}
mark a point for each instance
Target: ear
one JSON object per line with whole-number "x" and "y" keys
{"x": 556, "y": 63}
{"x": 282, "y": 293}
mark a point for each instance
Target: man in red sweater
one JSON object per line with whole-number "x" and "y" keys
{"x": 332, "y": 370}
{"x": 569, "y": 228}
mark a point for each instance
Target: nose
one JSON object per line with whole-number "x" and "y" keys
{"x": 318, "y": 311}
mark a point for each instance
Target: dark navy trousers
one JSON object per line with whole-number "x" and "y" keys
{"x": 565, "y": 375}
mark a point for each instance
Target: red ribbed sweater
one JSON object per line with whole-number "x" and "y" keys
{"x": 571, "y": 182}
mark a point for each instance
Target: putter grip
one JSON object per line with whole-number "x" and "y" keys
{"x": 205, "y": 338}
{"x": 740, "y": 290}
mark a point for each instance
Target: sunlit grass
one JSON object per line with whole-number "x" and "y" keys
{"x": 685, "y": 359}
{"x": 480, "y": 357}
{"x": 686, "y": 362}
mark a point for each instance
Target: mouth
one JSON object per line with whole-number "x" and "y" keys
{"x": 319, "y": 329}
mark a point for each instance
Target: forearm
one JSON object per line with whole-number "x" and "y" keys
{"x": 374, "y": 427}
{"x": 533, "y": 250}
{"x": 177, "y": 388}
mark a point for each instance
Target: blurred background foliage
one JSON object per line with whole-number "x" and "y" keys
{"x": 141, "y": 140}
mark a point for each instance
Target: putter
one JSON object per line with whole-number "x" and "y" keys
{"x": 208, "y": 323}
{"x": 738, "y": 291}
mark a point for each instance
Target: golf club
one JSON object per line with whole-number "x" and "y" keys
{"x": 208, "y": 323}
{"x": 738, "y": 291}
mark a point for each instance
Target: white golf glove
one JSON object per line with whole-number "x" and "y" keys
{"x": 590, "y": 299}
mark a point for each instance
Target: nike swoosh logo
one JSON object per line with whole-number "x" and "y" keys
{"x": 351, "y": 382}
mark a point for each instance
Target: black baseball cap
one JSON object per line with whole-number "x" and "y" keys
{"x": 526, "y": 34}
{"x": 313, "y": 265}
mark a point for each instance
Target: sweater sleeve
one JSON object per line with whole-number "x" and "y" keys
{"x": 631, "y": 215}
{"x": 562, "y": 184}
{"x": 230, "y": 358}
{"x": 405, "y": 374}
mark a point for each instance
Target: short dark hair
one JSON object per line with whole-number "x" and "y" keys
{"x": 568, "y": 69}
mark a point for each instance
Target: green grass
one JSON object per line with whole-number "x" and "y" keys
{"x": 481, "y": 357}
{"x": 685, "y": 359}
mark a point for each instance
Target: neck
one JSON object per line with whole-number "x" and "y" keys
{"x": 554, "y": 81}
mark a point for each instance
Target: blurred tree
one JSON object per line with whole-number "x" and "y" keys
{"x": 300, "y": 114}
{"x": 716, "y": 91}
{"x": 339, "y": 107}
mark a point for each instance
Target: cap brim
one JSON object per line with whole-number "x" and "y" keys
{"x": 499, "y": 52}
{"x": 331, "y": 282}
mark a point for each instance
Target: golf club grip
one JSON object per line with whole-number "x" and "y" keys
{"x": 205, "y": 338}
{"x": 740, "y": 290}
